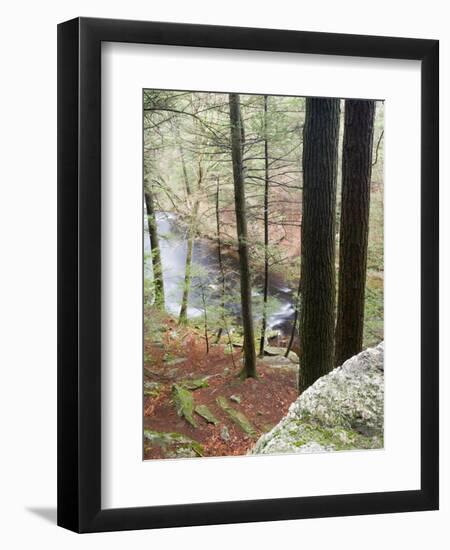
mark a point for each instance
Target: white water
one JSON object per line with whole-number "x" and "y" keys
{"x": 206, "y": 274}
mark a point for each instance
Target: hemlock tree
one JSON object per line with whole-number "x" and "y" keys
{"x": 220, "y": 264}
{"x": 158, "y": 280}
{"x": 192, "y": 228}
{"x": 317, "y": 312}
{"x": 266, "y": 233}
{"x": 236, "y": 131}
{"x": 297, "y": 306}
{"x": 354, "y": 230}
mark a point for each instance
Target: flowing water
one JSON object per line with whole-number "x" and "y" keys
{"x": 206, "y": 278}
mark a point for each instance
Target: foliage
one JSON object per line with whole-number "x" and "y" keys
{"x": 187, "y": 161}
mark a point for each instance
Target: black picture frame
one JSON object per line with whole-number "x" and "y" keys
{"x": 79, "y": 274}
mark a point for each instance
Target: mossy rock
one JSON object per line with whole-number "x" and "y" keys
{"x": 337, "y": 438}
{"x": 237, "y": 417}
{"x": 173, "y": 444}
{"x": 342, "y": 410}
{"x": 152, "y": 389}
{"x": 174, "y": 361}
{"x": 275, "y": 350}
{"x": 184, "y": 403}
{"x": 195, "y": 383}
{"x": 205, "y": 413}
{"x": 238, "y": 344}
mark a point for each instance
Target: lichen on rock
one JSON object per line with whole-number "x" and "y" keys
{"x": 342, "y": 410}
{"x": 173, "y": 444}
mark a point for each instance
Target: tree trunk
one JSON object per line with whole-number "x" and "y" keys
{"x": 354, "y": 230}
{"x": 222, "y": 278}
{"x": 183, "y": 164}
{"x": 266, "y": 234}
{"x": 205, "y": 319}
{"x": 317, "y": 313}
{"x": 158, "y": 279}
{"x": 249, "y": 369}
{"x": 182, "y": 319}
{"x": 220, "y": 260}
{"x": 294, "y": 322}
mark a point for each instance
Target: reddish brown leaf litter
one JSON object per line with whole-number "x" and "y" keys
{"x": 181, "y": 356}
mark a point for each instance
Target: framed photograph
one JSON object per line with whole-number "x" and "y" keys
{"x": 247, "y": 274}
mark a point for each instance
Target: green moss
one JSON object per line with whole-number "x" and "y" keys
{"x": 338, "y": 438}
{"x": 205, "y": 413}
{"x": 184, "y": 403}
{"x": 152, "y": 389}
{"x": 374, "y": 316}
{"x": 237, "y": 417}
{"x": 374, "y": 298}
{"x": 174, "y": 444}
{"x": 195, "y": 383}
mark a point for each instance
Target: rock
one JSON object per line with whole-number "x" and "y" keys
{"x": 237, "y": 417}
{"x": 342, "y": 410}
{"x": 277, "y": 361}
{"x": 281, "y": 363}
{"x": 152, "y": 389}
{"x": 280, "y": 351}
{"x": 194, "y": 384}
{"x": 175, "y": 361}
{"x": 174, "y": 444}
{"x": 205, "y": 413}
{"x": 184, "y": 403}
{"x": 224, "y": 433}
{"x": 235, "y": 398}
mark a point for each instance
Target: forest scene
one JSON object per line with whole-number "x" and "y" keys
{"x": 263, "y": 274}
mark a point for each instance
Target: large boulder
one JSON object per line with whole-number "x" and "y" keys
{"x": 342, "y": 410}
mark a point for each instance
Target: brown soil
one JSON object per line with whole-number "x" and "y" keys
{"x": 264, "y": 400}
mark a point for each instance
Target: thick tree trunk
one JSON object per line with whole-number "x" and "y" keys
{"x": 354, "y": 230}
{"x": 158, "y": 279}
{"x": 317, "y": 313}
{"x": 249, "y": 369}
{"x": 266, "y": 234}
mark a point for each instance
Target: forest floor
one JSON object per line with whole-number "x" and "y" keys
{"x": 195, "y": 404}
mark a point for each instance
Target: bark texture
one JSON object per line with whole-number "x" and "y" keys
{"x": 295, "y": 320}
{"x": 220, "y": 262}
{"x": 158, "y": 280}
{"x": 354, "y": 230}
{"x": 236, "y": 130}
{"x": 266, "y": 233}
{"x": 192, "y": 229}
{"x": 317, "y": 313}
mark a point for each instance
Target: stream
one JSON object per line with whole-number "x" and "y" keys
{"x": 206, "y": 278}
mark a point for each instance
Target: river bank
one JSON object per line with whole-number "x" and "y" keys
{"x": 206, "y": 270}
